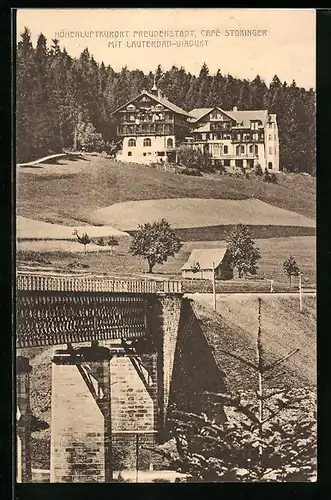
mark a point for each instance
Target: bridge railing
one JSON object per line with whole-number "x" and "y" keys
{"x": 40, "y": 282}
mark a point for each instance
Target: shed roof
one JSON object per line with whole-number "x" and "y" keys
{"x": 205, "y": 257}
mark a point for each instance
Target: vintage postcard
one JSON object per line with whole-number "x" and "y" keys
{"x": 166, "y": 223}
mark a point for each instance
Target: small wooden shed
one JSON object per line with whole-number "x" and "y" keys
{"x": 200, "y": 264}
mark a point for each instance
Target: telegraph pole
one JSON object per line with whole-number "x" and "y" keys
{"x": 214, "y": 287}
{"x": 300, "y": 290}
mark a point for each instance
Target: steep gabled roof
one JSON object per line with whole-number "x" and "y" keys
{"x": 197, "y": 113}
{"x": 205, "y": 257}
{"x": 161, "y": 100}
{"x": 247, "y": 115}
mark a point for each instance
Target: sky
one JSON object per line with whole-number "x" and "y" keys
{"x": 286, "y": 46}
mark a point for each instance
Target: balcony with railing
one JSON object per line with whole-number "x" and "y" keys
{"x": 146, "y": 129}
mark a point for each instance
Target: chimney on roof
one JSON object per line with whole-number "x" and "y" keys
{"x": 235, "y": 108}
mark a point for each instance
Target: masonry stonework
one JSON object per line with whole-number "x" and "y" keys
{"x": 134, "y": 409}
{"x": 171, "y": 311}
{"x": 23, "y": 369}
{"x": 80, "y": 437}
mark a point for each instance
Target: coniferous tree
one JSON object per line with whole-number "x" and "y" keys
{"x": 48, "y": 111}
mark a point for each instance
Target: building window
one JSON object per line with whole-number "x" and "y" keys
{"x": 275, "y": 150}
{"x": 238, "y": 137}
{"x": 255, "y": 136}
{"x": 251, "y": 149}
{"x": 242, "y": 149}
{"x": 270, "y": 137}
{"x": 144, "y": 154}
{"x": 270, "y": 151}
{"x": 170, "y": 143}
{"x": 270, "y": 165}
{"x": 129, "y": 153}
{"x": 275, "y": 137}
{"x": 256, "y": 149}
{"x": 132, "y": 143}
{"x": 147, "y": 143}
{"x": 226, "y": 163}
{"x": 237, "y": 150}
{"x": 226, "y": 150}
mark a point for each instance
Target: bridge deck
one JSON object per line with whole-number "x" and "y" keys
{"x": 59, "y": 309}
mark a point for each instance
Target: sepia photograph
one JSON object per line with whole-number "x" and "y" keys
{"x": 165, "y": 179}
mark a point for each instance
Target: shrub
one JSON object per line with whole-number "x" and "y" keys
{"x": 191, "y": 171}
{"x": 194, "y": 158}
{"x": 222, "y": 169}
{"x": 258, "y": 170}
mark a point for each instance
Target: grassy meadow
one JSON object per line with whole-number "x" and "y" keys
{"x": 70, "y": 191}
{"x": 103, "y": 197}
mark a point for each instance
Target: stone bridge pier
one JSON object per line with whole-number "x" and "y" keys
{"x": 110, "y": 400}
{"x": 109, "y": 403}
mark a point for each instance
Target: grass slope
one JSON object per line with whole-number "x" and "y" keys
{"x": 34, "y": 229}
{"x": 207, "y": 212}
{"x": 71, "y": 191}
{"x": 233, "y": 328}
{"x": 120, "y": 262}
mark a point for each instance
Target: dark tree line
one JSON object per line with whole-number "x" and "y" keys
{"x": 57, "y": 95}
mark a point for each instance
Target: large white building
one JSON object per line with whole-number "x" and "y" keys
{"x": 236, "y": 138}
{"x": 151, "y": 128}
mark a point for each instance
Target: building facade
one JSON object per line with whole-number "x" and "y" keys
{"x": 235, "y": 138}
{"x": 208, "y": 263}
{"x": 150, "y": 128}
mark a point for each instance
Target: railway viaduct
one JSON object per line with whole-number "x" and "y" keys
{"x": 124, "y": 351}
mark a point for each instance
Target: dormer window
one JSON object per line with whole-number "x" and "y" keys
{"x": 159, "y": 106}
{"x": 131, "y": 107}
